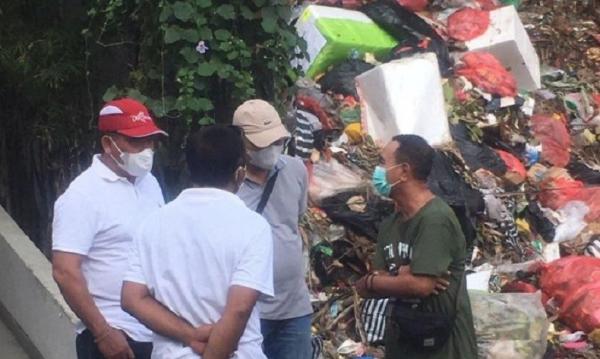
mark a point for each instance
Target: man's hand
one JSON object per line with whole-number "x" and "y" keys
{"x": 113, "y": 345}
{"x": 442, "y": 283}
{"x": 199, "y": 338}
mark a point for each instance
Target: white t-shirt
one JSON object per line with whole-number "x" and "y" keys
{"x": 96, "y": 218}
{"x": 191, "y": 251}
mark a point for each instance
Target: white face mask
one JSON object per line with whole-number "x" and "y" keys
{"x": 136, "y": 164}
{"x": 265, "y": 158}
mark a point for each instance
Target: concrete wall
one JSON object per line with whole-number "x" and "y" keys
{"x": 38, "y": 315}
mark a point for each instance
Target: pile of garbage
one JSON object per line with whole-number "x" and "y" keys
{"x": 517, "y": 158}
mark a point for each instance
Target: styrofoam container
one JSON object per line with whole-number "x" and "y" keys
{"x": 507, "y": 39}
{"x": 404, "y": 97}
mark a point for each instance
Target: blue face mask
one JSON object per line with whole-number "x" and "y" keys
{"x": 380, "y": 181}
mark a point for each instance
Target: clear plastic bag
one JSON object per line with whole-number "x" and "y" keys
{"x": 573, "y": 221}
{"x": 329, "y": 178}
{"x": 509, "y": 325}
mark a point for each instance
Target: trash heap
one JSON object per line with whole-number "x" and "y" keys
{"x": 517, "y": 138}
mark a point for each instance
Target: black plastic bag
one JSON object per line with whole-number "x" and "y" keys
{"x": 583, "y": 173}
{"x": 363, "y": 223}
{"x": 541, "y": 225}
{"x": 477, "y": 155}
{"x": 397, "y": 20}
{"x": 340, "y": 79}
{"x": 466, "y": 202}
{"x": 414, "y": 34}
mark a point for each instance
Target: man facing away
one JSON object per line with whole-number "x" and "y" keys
{"x": 276, "y": 186}
{"x": 93, "y": 227}
{"x": 199, "y": 264}
{"x": 416, "y": 248}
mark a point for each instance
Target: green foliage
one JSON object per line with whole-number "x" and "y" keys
{"x": 198, "y": 59}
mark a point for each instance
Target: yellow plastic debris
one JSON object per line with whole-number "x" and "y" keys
{"x": 354, "y": 133}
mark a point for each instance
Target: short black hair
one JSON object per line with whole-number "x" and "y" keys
{"x": 213, "y": 154}
{"x": 415, "y": 151}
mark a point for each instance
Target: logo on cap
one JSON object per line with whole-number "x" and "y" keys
{"x": 140, "y": 117}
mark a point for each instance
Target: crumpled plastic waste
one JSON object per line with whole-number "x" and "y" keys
{"x": 330, "y": 177}
{"x": 351, "y": 348}
{"x": 509, "y": 325}
{"x": 573, "y": 215}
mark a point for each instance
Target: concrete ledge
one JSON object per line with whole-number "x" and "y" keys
{"x": 28, "y": 294}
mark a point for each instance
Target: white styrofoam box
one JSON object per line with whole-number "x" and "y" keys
{"x": 507, "y": 39}
{"x": 404, "y": 97}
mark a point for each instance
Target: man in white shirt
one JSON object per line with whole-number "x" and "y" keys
{"x": 93, "y": 227}
{"x": 199, "y": 264}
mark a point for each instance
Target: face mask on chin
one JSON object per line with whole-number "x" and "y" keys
{"x": 265, "y": 158}
{"x": 135, "y": 164}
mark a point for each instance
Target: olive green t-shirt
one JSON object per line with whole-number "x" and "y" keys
{"x": 432, "y": 243}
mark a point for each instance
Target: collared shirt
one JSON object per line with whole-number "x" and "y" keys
{"x": 96, "y": 218}
{"x": 286, "y": 205}
{"x": 191, "y": 251}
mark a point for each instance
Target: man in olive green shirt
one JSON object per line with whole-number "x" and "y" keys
{"x": 419, "y": 246}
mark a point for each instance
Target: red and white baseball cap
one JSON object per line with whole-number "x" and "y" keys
{"x": 127, "y": 117}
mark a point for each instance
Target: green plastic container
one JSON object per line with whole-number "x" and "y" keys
{"x": 332, "y": 34}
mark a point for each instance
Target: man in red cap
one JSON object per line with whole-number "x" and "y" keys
{"x": 94, "y": 221}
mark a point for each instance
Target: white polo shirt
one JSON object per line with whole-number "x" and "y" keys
{"x": 191, "y": 251}
{"x": 96, "y": 218}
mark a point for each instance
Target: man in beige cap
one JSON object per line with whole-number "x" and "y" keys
{"x": 276, "y": 186}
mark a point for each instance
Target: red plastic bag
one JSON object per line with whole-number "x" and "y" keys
{"x": 487, "y": 73}
{"x": 591, "y": 197}
{"x": 556, "y": 192}
{"x": 574, "y": 282}
{"x": 515, "y": 170}
{"x": 552, "y": 132}
{"x": 563, "y": 276}
{"x": 414, "y": 5}
{"x": 467, "y": 24}
{"x": 312, "y": 105}
{"x": 581, "y": 310}
{"x": 517, "y": 286}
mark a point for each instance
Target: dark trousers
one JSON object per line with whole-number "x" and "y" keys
{"x": 87, "y": 348}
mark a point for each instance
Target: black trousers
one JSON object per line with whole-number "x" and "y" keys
{"x": 87, "y": 348}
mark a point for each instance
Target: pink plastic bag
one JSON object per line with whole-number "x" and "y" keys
{"x": 554, "y": 136}
{"x": 467, "y": 24}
